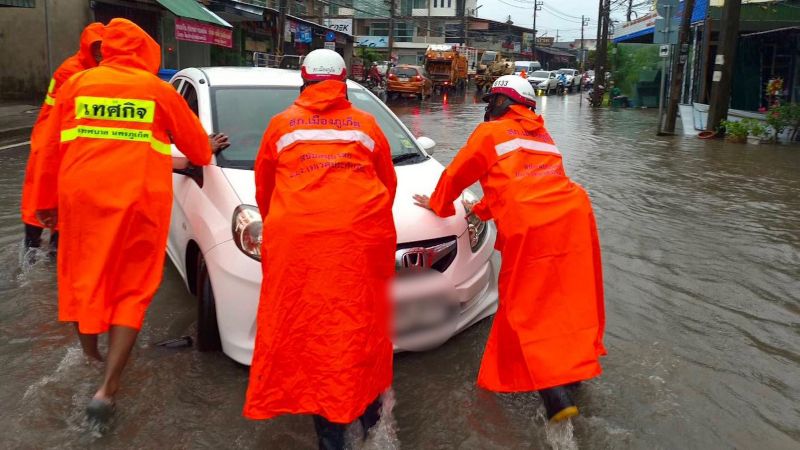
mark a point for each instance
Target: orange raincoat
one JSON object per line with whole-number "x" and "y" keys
{"x": 548, "y": 330}
{"x": 325, "y": 185}
{"x": 113, "y": 171}
{"x": 80, "y": 61}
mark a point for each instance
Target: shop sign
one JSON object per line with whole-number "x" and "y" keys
{"x": 330, "y": 45}
{"x": 201, "y": 33}
{"x": 340, "y": 25}
{"x": 303, "y": 34}
{"x": 372, "y": 41}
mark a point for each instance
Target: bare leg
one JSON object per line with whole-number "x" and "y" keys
{"x": 121, "y": 341}
{"x": 89, "y": 344}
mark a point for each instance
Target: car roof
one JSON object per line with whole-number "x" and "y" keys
{"x": 248, "y": 76}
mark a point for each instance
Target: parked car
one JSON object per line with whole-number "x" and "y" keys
{"x": 216, "y": 227}
{"x": 292, "y": 62}
{"x": 527, "y": 66}
{"x": 406, "y": 79}
{"x": 573, "y": 79}
{"x": 544, "y": 80}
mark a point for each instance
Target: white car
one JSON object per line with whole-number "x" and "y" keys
{"x": 213, "y": 239}
{"x": 544, "y": 80}
{"x": 527, "y": 66}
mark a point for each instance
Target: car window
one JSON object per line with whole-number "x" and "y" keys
{"x": 404, "y": 71}
{"x": 190, "y": 95}
{"x": 243, "y": 113}
{"x": 541, "y": 74}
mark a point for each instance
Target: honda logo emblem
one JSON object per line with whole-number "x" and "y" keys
{"x": 415, "y": 259}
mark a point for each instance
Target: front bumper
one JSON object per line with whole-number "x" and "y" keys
{"x": 236, "y": 280}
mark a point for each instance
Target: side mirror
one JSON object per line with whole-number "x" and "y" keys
{"x": 427, "y": 144}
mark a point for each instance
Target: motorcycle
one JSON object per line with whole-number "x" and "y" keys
{"x": 590, "y": 95}
{"x": 377, "y": 88}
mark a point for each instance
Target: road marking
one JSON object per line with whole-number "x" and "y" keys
{"x": 18, "y": 144}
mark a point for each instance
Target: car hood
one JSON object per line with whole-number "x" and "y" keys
{"x": 538, "y": 79}
{"x": 412, "y": 222}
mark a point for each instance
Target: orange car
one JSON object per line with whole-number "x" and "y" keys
{"x": 406, "y": 79}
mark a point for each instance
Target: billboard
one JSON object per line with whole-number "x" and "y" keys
{"x": 340, "y": 25}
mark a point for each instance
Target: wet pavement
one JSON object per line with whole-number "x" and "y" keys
{"x": 701, "y": 251}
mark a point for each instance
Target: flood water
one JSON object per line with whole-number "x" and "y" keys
{"x": 701, "y": 252}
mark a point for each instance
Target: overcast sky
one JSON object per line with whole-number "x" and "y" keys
{"x": 563, "y": 15}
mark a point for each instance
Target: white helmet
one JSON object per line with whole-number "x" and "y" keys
{"x": 323, "y": 64}
{"x": 514, "y": 87}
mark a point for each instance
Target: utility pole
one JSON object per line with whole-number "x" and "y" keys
{"x": 282, "y": 9}
{"x": 392, "y": 4}
{"x": 723, "y": 69}
{"x": 556, "y": 36}
{"x": 537, "y": 6}
{"x": 677, "y": 68}
{"x": 584, "y": 23}
{"x": 602, "y": 53}
{"x": 465, "y": 23}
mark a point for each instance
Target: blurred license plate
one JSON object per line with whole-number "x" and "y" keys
{"x": 403, "y": 78}
{"x": 422, "y": 314}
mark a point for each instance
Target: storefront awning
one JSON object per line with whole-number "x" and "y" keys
{"x": 190, "y": 9}
{"x": 19, "y": 3}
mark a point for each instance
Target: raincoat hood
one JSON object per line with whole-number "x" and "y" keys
{"x": 125, "y": 44}
{"x": 529, "y": 120}
{"x": 92, "y": 33}
{"x": 329, "y": 94}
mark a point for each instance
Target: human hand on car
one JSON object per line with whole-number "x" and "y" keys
{"x": 48, "y": 217}
{"x": 422, "y": 201}
{"x": 219, "y": 142}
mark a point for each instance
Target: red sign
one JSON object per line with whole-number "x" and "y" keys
{"x": 191, "y": 31}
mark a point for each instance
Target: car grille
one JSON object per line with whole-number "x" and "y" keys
{"x": 420, "y": 256}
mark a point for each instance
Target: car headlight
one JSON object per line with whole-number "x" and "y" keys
{"x": 246, "y": 227}
{"x": 475, "y": 226}
{"x": 543, "y": 84}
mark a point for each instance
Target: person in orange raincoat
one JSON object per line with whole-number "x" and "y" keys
{"x": 105, "y": 177}
{"x": 88, "y": 56}
{"x": 547, "y": 334}
{"x": 325, "y": 184}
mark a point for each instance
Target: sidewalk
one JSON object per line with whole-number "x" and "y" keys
{"x": 16, "y": 119}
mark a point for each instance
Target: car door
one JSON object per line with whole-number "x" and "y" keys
{"x": 182, "y": 184}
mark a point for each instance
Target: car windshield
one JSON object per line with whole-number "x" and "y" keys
{"x": 243, "y": 113}
{"x": 521, "y": 68}
{"x": 405, "y": 71}
{"x": 541, "y": 74}
{"x": 488, "y": 57}
{"x": 566, "y": 71}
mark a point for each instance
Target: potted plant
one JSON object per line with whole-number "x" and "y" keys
{"x": 735, "y": 132}
{"x": 778, "y": 119}
{"x": 756, "y": 131}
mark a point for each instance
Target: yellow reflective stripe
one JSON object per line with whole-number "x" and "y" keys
{"x": 51, "y": 86}
{"x": 161, "y": 147}
{"x": 120, "y": 134}
{"x": 109, "y": 108}
{"x": 49, "y": 100}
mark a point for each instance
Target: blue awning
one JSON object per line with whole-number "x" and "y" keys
{"x": 698, "y": 15}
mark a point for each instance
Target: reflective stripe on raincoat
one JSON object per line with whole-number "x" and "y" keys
{"x": 325, "y": 185}
{"x": 548, "y": 330}
{"x": 80, "y": 61}
{"x": 108, "y": 152}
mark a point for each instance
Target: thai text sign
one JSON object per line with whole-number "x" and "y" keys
{"x": 202, "y": 33}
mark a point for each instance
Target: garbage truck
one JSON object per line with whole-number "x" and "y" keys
{"x": 446, "y": 67}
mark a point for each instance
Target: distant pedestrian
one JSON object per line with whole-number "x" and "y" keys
{"x": 325, "y": 184}
{"x": 87, "y": 56}
{"x": 548, "y": 332}
{"x": 108, "y": 152}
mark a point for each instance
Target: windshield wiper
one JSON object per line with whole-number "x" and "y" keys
{"x": 397, "y": 159}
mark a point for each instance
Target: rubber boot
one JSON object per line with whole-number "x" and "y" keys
{"x": 330, "y": 436}
{"x": 33, "y": 236}
{"x": 371, "y": 416}
{"x": 558, "y": 403}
